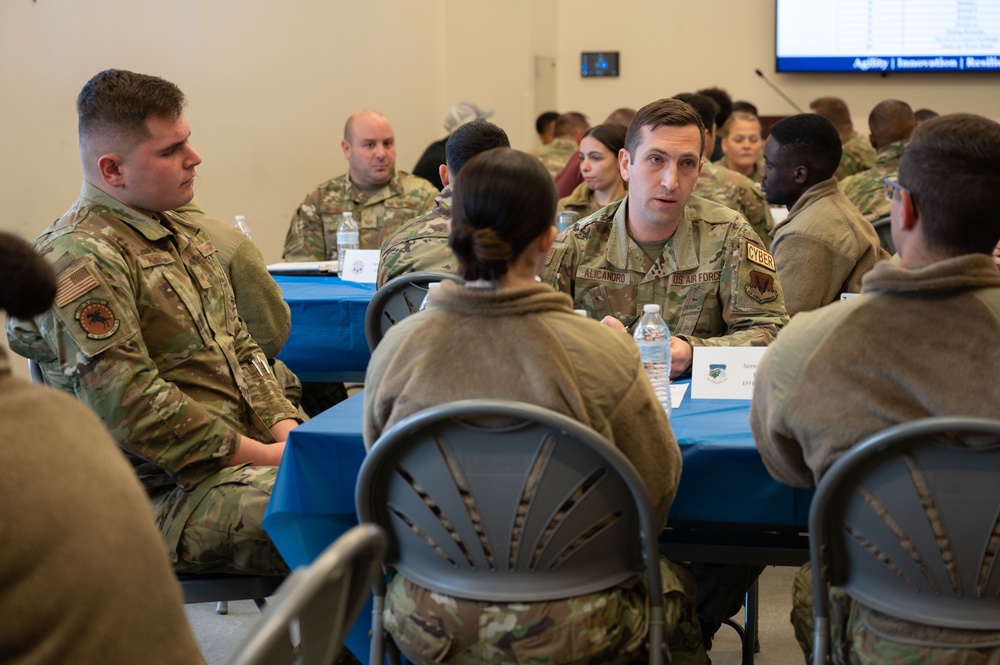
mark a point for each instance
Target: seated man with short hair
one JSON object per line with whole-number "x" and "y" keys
{"x": 839, "y": 374}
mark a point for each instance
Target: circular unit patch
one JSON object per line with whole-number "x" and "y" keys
{"x": 97, "y": 319}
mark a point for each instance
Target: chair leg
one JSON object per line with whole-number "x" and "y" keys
{"x": 222, "y": 607}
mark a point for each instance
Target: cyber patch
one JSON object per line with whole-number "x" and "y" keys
{"x": 761, "y": 287}
{"x": 97, "y": 319}
{"x": 759, "y": 256}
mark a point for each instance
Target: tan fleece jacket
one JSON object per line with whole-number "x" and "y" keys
{"x": 524, "y": 344}
{"x": 823, "y": 248}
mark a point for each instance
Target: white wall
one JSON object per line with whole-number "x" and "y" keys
{"x": 270, "y": 83}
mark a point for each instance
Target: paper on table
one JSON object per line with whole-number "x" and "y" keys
{"x": 677, "y": 391}
{"x": 303, "y": 268}
{"x": 361, "y": 265}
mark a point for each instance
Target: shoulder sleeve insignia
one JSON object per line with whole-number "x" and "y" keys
{"x": 97, "y": 319}
{"x": 759, "y": 256}
{"x": 73, "y": 285}
{"x": 761, "y": 287}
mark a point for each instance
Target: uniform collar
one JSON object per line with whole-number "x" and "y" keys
{"x": 150, "y": 228}
{"x": 358, "y": 195}
{"x": 891, "y": 154}
{"x": 679, "y": 253}
{"x": 819, "y": 190}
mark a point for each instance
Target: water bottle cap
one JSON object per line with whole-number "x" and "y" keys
{"x": 433, "y": 285}
{"x": 240, "y": 218}
{"x": 347, "y": 213}
{"x": 651, "y": 308}
{"x": 581, "y": 312}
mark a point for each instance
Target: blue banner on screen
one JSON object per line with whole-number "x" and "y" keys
{"x": 887, "y": 36}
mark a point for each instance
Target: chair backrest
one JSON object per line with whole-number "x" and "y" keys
{"x": 908, "y": 523}
{"x": 884, "y": 230}
{"x": 396, "y": 300}
{"x": 316, "y": 606}
{"x": 500, "y": 501}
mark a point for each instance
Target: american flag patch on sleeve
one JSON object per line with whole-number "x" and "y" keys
{"x": 75, "y": 284}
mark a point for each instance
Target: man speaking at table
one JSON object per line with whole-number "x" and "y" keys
{"x": 380, "y": 197}
{"x": 843, "y": 372}
{"x": 700, "y": 261}
{"x": 144, "y": 331}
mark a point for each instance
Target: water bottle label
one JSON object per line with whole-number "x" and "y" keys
{"x": 347, "y": 237}
{"x": 656, "y": 352}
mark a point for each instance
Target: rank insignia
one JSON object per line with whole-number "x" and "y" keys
{"x": 97, "y": 319}
{"x": 717, "y": 373}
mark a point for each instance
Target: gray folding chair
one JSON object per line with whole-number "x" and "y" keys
{"x": 317, "y": 605}
{"x": 908, "y": 523}
{"x": 396, "y": 300}
{"x": 492, "y": 500}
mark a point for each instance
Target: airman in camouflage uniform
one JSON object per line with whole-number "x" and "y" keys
{"x": 737, "y": 192}
{"x": 420, "y": 244}
{"x": 145, "y": 332}
{"x": 866, "y": 189}
{"x": 891, "y": 122}
{"x": 858, "y": 156}
{"x": 569, "y": 130}
{"x": 715, "y": 283}
{"x": 381, "y": 198}
{"x": 312, "y": 235}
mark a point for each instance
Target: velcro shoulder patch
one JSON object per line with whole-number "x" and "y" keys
{"x": 760, "y": 256}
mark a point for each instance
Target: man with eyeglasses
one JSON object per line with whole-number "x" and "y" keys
{"x": 919, "y": 341}
{"x": 824, "y": 246}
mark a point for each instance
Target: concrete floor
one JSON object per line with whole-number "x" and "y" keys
{"x": 219, "y": 636}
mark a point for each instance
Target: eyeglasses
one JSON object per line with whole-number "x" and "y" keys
{"x": 891, "y": 186}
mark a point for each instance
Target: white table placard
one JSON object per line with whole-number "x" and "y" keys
{"x": 677, "y": 391}
{"x": 360, "y": 265}
{"x": 303, "y": 268}
{"x": 724, "y": 372}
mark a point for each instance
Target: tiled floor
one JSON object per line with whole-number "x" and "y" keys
{"x": 220, "y": 635}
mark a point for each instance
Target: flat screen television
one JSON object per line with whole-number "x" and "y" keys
{"x": 599, "y": 63}
{"x": 887, "y": 35}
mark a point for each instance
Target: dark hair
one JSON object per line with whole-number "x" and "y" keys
{"x": 114, "y": 104}
{"x": 610, "y": 135}
{"x": 746, "y": 107}
{"x": 543, "y": 121}
{"x": 891, "y": 120}
{"x": 952, "y": 167}
{"x": 570, "y": 123}
{"x": 27, "y": 283}
{"x": 503, "y": 200}
{"x": 471, "y": 139}
{"x": 833, "y": 109}
{"x": 923, "y": 115}
{"x": 813, "y": 142}
{"x": 722, "y": 98}
{"x": 704, "y": 106}
{"x": 669, "y": 112}
{"x": 620, "y": 116}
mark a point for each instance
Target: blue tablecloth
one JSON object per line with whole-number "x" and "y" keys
{"x": 723, "y": 481}
{"x": 328, "y": 327}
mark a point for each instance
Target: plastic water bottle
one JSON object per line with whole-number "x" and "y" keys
{"x": 241, "y": 224}
{"x": 347, "y": 238}
{"x": 653, "y": 338}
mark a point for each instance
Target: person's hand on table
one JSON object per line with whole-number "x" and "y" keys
{"x": 681, "y": 355}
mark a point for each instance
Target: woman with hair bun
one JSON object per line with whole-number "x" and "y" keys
{"x": 504, "y": 335}
{"x": 85, "y": 573}
{"x": 602, "y": 178}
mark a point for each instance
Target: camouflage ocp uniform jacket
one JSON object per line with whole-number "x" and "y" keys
{"x": 716, "y": 285}
{"x": 420, "y": 245}
{"x": 858, "y": 156}
{"x": 554, "y": 155}
{"x": 144, "y": 331}
{"x": 312, "y": 234}
{"x": 866, "y": 190}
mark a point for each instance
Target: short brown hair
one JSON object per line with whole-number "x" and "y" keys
{"x": 833, "y": 109}
{"x": 114, "y": 104}
{"x": 951, "y": 167}
{"x": 669, "y": 112}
